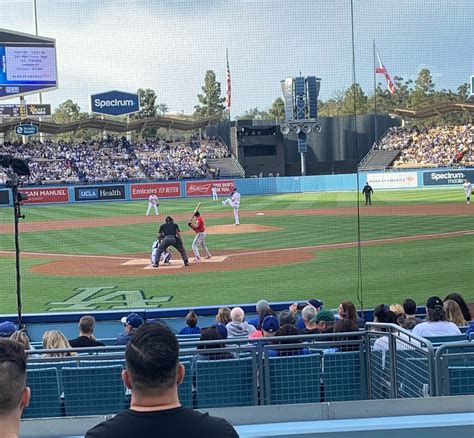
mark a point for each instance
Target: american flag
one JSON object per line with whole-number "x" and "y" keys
{"x": 229, "y": 87}
{"x": 381, "y": 69}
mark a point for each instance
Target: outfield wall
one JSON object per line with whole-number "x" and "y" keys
{"x": 407, "y": 179}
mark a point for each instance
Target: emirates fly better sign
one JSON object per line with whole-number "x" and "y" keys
{"x": 115, "y": 103}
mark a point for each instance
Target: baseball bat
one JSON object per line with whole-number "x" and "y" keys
{"x": 194, "y": 212}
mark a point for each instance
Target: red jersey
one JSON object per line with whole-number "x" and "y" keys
{"x": 199, "y": 226}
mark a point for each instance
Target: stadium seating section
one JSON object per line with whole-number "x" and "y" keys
{"x": 116, "y": 159}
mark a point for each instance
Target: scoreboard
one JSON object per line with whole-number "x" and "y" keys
{"x": 23, "y": 111}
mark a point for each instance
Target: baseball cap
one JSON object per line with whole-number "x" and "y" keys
{"x": 270, "y": 324}
{"x": 7, "y": 328}
{"x": 324, "y": 315}
{"x": 434, "y": 302}
{"x": 315, "y": 303}
{"x": 221, "y": 329}
{"x": 133, "y": 319}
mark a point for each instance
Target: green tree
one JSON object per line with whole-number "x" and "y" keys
{"x": 68, "y": 112}
{"x": 149, "y": 108}
{"x": 254, "y": 114}
{"x": 211, "y": 104}
{"x": 424, "y": 90}
{"x": 354, "y": 94}
{"x": 277, "y": 110}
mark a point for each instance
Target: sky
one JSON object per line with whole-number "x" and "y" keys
{"x": 168, "y": 45}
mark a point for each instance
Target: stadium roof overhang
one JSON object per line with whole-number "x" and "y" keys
{"x": 111, "y": 125}
{"x": 432, "y": 110}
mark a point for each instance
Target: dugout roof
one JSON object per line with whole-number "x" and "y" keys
{"x": 110, "y": 125}
{"x": 433, "y": 110}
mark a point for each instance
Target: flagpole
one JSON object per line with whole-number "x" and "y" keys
{"x": 227, "y": 72}
{"x": 376, "y": 131}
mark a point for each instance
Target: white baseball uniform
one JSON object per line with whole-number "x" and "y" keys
{"x": 468, "y": 191}
{"x": 214, "y": 193}
{"x": 152, "y": 203}
{"x": 165, "y": 255}
{"x": 234, "y": 202}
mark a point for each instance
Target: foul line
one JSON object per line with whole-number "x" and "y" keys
{"x": 269, "y": 251}
{"x": 363, "y": 242}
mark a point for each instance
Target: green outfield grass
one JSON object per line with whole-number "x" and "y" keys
{"x": 390, "y": 272}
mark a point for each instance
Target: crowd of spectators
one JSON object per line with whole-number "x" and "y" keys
{"x": 437, "y": 146}
{"x": 115, "y": 159}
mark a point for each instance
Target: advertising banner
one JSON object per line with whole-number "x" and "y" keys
{"x": 115, "y": 103}
{"x": 45, "y": 195}
{"x": 447, "y": 177}
{"x": 395, "y": 180}
{"x": 4, "y": 198}
{"x": 203, "y": 188}
{"x": 99, "y": 193}
{"x": 162, "y": 190}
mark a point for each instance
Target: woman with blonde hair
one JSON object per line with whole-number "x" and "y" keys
{"x": 454, "y": 313}
{"x": 223, "y": 315}
{"x": 55, "y": 340}
{"x": 21, "y": 337}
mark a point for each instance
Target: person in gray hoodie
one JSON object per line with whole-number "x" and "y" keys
{"x": 238, "y": 327}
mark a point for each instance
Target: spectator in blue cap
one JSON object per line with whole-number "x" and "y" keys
{"x": 7, "y": 328}
{"x": 131, "y": 324}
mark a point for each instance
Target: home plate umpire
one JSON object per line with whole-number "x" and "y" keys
{"x": 169, "y": 234}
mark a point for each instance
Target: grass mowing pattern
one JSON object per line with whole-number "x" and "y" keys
{"x": 391, "y": 272}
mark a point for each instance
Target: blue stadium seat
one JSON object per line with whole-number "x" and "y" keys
{"x": 461, "y": 380}
{"x": 293, "y": 379}
{"x": 344, "y": 376}
{"x": 45, "y": 395}
{"x": 93, "y": 390}
{"x": 226, "y": 383}
{"x": 438, "y": 340}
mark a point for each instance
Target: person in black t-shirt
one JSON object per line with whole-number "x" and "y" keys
{"x": 86, "y": 338}
{"x": 169, "y": 235}
{"x": 153, "y": 373}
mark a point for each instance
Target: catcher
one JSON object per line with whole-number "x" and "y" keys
{"x": 197, "y": 224}
{"x": 165, "y": 255}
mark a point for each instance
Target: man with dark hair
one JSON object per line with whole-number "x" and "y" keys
{"x": 169, "y": 235}
{"x": 153, "y": 373}
{"x": 86, "y": 337}
{"x": 410, "y": 319}
{"x": 14, "y": 394}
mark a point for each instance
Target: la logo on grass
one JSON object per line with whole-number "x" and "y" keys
{"x": 106, "y": 298}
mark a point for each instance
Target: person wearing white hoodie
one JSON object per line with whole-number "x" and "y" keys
{"x": 238, "y": 327}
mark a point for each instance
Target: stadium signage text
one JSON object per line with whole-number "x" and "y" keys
{"x": 447, "y": 177}
{"x": 115, "y": 103}
{"x": 162, "y": 190}
{"x": 106, "y": 298}
{"x": 26, "y": 129}
{"x": 46, "y": 195}
{"x": 99, "y": 193}
{"x": 203, "y": 188}
{"x": 396, "y": 180}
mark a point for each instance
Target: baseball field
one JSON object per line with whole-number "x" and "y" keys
{"x": 95, "y": 256}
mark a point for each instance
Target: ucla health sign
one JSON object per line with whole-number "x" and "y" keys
{"x": 99, "y": 193}
{"x": 115, "y": 103}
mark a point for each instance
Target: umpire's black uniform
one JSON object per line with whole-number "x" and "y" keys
{"x": 169, "y": 235}
{"x": 367, "y": 191}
